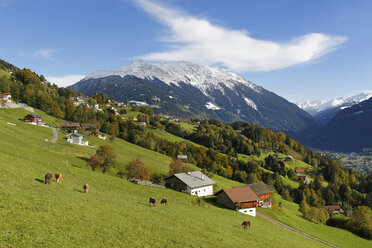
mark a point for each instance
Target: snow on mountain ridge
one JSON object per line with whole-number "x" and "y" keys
{"x": 200, "y": 76}
{"x": 313, "y": 107}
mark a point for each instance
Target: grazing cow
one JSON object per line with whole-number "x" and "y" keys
{"x": 48, "y": 178}
{"x": 164, "y": 201}
{"x": 152, "y": 201}
{"x": 58, "y": 177}
{"x": 86, "y": 188}
{"x": 246, "y": 224}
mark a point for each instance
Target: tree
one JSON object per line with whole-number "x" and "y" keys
{"x": 137, "y": 169}
{"x": 304, "y": 208}
{"x": 94, "y": 162}
{"x": 107, "y": 155}
{"x": 177, "y": 166}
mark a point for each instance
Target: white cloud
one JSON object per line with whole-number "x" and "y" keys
{"x": 198, "y": 40}
{"x": 45, "y": 54}
{"x": 65, "y": 81}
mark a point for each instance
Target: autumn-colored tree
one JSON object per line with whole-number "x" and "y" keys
{"x": 177, "y": 166}
{"x": 137, "y": 169}
{"x": 94, "y": 162}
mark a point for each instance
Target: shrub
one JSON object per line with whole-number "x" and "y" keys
{"x": 137, "y": 169}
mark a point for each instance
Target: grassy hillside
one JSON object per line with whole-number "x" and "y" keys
{"x": 115, "y": 212}
{"x": 293, "y": 217}
{"x": 4, "y": 73}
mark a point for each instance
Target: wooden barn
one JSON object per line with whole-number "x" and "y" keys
{"x": 242, "y": 199}
{"x": 194, "y": 183}
{"x": 263, "y": 191}
{"x": 69, "y": 125}
{"x": 336, "y": 209}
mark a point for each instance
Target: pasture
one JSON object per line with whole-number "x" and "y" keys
{"x": 115, "y": 213}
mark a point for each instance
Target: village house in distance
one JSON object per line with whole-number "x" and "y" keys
{"x": 77, "y": 139}
{"x": 194, "y": 183}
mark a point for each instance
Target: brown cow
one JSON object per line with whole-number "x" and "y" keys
{"x": 48, "y": 178}
{"x": 86, "y": 188}
{"x": 58, "y": 177}
{"x": 152, "y": 201}
{"x": 246, "y": 224}
{"x": 164, "y": 201}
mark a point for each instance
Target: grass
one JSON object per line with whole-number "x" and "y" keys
{"x": 293, "y": 217}
{"x": 115, "y": 213}
{"x": 4, "y": 73}
{"x": 188, "y": 127}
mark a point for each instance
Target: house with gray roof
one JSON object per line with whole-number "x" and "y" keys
{"x": 194, "y": 183}
{"x": 77, "y": 139}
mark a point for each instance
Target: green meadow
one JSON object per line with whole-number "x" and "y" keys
{"x": 115, "y": 212}
{"x": 291, "y": 216}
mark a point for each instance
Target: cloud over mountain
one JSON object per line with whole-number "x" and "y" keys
{"x": 196, "y": 39}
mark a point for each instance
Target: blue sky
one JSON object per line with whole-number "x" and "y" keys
{"x": 319, "y": 49}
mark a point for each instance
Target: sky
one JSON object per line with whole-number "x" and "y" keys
{"x": 298, "y": 49}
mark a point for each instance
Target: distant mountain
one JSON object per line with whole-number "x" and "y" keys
{"x": 189, "y": 90}
{"x": 349, "y": 131}
{"x": 324, "y": 111}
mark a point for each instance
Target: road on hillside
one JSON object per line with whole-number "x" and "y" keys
{"x": 55, "y": 135}
{"x": 294, "y": 230}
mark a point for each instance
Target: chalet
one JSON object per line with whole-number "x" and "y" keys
{"x": 242, "y": 199}
{"x": 335, "y": 209}
{"x": 33, "y": 119}
{"x": 288, "y": 159}
{"x": 263, "y": 191}
{"x": 299, "y": 172}
{"x": 70, "y": 125}
{"x": 92, "y": 127}
{"x": 77, "y": 139}
{"x": 142, "y": 124}
{"x": 194, "y": 183}
{"x": 183, "y": 158}
{"x": 5, "y": 96}
{"x": 101, "y": 136}
{"x": 80, "y": 100}
{"x": 134, "y": 118}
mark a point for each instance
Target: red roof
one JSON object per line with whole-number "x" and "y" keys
{"x": 300, "y": 171}
{"x": 241, "y": 194}
{"x": 333, "y": 207}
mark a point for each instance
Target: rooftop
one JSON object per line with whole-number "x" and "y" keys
{"x": 240, "y": 194}
{"x": 260, "y": 188}
{"x": 194, "y": 179}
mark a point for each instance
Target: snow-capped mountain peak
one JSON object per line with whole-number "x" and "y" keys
{"x": 314, "y": 107}
{"x": 199, "y": 76}
{"x": 324, "y": 111}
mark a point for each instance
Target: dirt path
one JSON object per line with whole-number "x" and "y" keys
{"x": 294, "y": 230}
{"x": 55, "y": 135}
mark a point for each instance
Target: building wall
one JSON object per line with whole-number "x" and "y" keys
{"x": 266, "y": 200}
{"x": 202, "y": 191}
{"x": 249, "y": 211}
{"x": 223, "y": 199}
{"x": 176, "y": 184}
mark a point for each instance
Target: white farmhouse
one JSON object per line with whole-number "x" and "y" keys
{"x": 193, "y": 183}
{"x": 77, "y": 139}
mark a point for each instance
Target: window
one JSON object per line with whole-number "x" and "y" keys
{"x": 250, "y": 210}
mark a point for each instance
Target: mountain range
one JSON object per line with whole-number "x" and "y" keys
{"x": 185, "y": 89}
{"x": 349, "y": 131}
{"x": 324, "y": 111}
